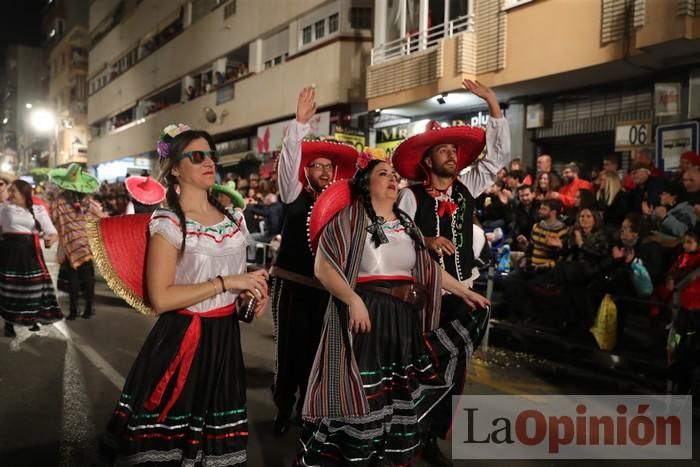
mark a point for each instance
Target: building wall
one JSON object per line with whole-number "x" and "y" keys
{"x": 145, "y": 19}
{"x": 546, "y": 38}
{"x": 60, "y": 85}
{"x": 99, "y": 9}
{"x": 203, "y": 42}
{"x": 263, "y": 97}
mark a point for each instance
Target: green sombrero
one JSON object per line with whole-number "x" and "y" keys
{"x": 74, "y": 179}
{"x": 230, "y": 190}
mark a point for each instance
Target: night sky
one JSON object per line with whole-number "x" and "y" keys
{"x": 20, "y": 22}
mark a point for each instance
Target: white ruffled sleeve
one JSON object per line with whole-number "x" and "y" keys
{"x": 166, "y": 224}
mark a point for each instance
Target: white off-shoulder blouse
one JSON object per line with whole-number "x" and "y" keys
{"x": 393, "y": 260}
{"x": 219, "y": 249}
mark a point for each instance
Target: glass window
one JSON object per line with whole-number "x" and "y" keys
{"x": 268, "y": 64}
{"x": 320, "y": 29}
{"x": 306, "y": 35}
{"x": 361, "y": 18}
{"x": 278, "y": 60}
{"x": 459, "y": 8}
{"x": 332, "y": 23}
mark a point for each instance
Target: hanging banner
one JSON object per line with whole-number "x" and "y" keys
{"x": 351, "y": 136}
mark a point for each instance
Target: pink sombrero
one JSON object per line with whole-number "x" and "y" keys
{"x": 342, "y": 155}
{"x": 145, "y": 190}
{"x": 119, "y": 246}
{"x": 408, "y": 156}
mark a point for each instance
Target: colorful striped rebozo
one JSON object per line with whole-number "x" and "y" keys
{"x": 335, "y": 386}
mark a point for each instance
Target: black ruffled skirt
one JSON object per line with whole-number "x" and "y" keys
{"x": 207, "y": 425}
{"x": 405, "y": 375}
{"x": 27, "y": 295}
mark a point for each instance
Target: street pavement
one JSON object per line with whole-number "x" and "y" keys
{"x": 58, "y": 390}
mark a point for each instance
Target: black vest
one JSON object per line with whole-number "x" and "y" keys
{"x": 456, "y": 228}
{"x": 295, "y": 254}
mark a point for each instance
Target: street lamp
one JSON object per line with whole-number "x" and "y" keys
{"x": 43, "y": 121}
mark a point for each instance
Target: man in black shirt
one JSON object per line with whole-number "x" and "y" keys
{"x": 298, "y": 299}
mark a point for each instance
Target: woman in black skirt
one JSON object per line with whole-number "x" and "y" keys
{"x": 383, "y": 363}
{"x": 27, "y": 296}
{"x": 184, "y": 400}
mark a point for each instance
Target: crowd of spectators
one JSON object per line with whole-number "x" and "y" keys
{"x": 572, "y": 239}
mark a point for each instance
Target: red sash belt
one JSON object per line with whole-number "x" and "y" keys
{"x": 182, "y": 361}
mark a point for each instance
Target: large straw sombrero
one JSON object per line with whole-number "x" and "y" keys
{"x": 408, "y": 156}
{"x": 119, "y": 246}
{"x": 74, "y": 179}
{"x": 145, "y": 190}
{"x": 342, "y": 155}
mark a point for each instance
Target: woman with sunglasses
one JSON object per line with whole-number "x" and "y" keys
{"x": 184, "y": 401}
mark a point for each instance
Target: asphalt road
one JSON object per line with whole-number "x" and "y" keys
{"x": 58, "y": 390}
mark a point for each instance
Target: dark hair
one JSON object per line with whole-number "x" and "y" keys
{"x": 638, "y": 224}
{"x": 359, "y": 190}
{"x": 517, "y": 174}
{"x": 26, "y": 191}
{"x": 176, "y": 148}
{"x": 573, "y": 167}
{"x": 597, "y": 217}
{"x": 525, "y": 187}
{"x": 587, "y": 199}
{"x": 553, "y": 205}
{"x": 612, "y": 158}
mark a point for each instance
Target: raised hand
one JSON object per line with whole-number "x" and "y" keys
{"x": 485, "y": 93}
{"x": 479, "y": 89}
{"x": 306, "y": 105}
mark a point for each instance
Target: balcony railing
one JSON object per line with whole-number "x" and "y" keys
{"x": 421, "y": 40}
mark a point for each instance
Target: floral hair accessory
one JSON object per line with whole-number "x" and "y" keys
{"x": 368, "y": 154}
{"x": 170, "y": 131}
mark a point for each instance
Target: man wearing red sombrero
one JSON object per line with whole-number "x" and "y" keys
{"x": 442, "y": 206}
{"x": 298, "y": 299}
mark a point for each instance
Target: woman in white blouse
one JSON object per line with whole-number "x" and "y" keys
{"x": 27, "y": 296}
{"x": 184, "y": 401}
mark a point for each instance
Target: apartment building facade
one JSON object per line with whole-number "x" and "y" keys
{"x": 23, "y": 83}
{"x": 233, "y": 68}
{"x": 578, "y": 78}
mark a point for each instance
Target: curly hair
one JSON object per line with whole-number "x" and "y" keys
{"x": 177, "y": 146}
{"x": 359, "y": 190}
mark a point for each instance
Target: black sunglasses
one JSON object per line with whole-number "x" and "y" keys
{"x": 198, "y": 157}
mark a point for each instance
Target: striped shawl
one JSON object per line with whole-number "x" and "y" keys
{"x": 335, "y": 386}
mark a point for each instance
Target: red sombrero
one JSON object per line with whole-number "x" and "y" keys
{"x": 342, "y": 155}
{"x": 119, "y": 247}
{"x": 408, "y": 156}
{"x": 329, "y": 203}
{"x": 145, "y": 190}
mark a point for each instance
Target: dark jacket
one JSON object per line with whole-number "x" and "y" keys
{"x": 273, "y": 215}
{"x": 523, "y": 219}
{"x": 649, "y": 192}
{"x": 616, "y": 212}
